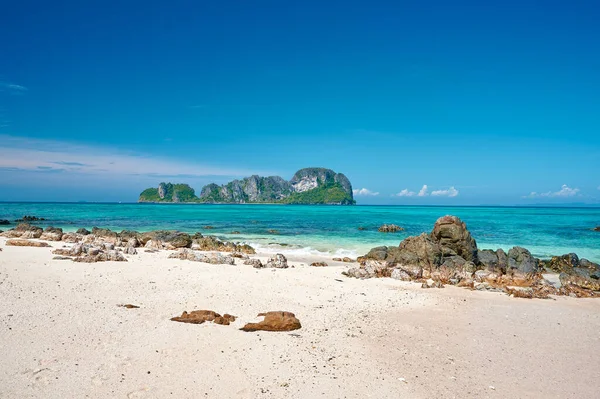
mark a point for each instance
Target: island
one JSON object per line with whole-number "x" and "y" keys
{"x": 309, "y": 186}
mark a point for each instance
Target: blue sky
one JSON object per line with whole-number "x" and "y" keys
{"x": 482, "y": 102}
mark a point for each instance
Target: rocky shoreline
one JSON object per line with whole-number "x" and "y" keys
{"x": 447, "y": 255}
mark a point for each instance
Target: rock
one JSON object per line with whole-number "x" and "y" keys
{"x": 520, "y": 292}
{"x": 75, "y": 250}
{"x": 201, "y": 316}
{"x": 211, "y": 243}
{"x": 239, "y": 255}
{"x": 29, "y": 218}
{"x": 83, "y": 232}
{"x": 400, "y": 274}
{"x": 390, "y": 228}
{"x": 208, "y": 227}
{"x": 4, "y": 222}
{"x": 61, "y": 258}
{"x": 348, "y": 260}
{"x": 432, "y": 284}
{"x": 452, "y": 235}
{"x": 194, "y": 256}
{"x": 337, "y": 259}
{"x": 563, "y": 264}
{"x": 319, "y": 264}
{"x": 273, "y": 231}
{"x": 71, "y": 237}
{"x": 362, "y": 228}
{"x": 52, "y": 234}
{"x": 597, "y": 228}
{"x": 521, "y": 259}
{"x": 579, "y": 281}
{"x": 235, "y": 232}
{"x": 104, "y": 233}
{"x": 24, "y": 230}
{"x": 256, "y": 263}
{"x": 277, "y": 261}
{"x": 128, "y": 306}
{"x": 154, "y": 245}
{"x": 377, "y": 253}
{"x": 96, "y": 255}
{"x": 130, "y": 251}
{"x": 370, "y": 268}
{"x": 169, "y": 239}
{"x": 26, "y": 243}
{"x": 419, "y": 251}
{"x": 127, "y": 235}
{"x": 274, "y": 321}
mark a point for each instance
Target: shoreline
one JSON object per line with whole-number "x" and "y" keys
{"x": 64, "y": 335}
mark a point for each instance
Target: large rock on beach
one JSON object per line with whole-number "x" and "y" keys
{"x": 170, "y": 239}
{"x": 83, "y": 231}
{"x": 493, "y": 260}
{"x": 52, "y": 234}
{"x": 194, "y": 256}
{"x": 452, "y": 235}
{"x": 274, "y": 321}
{"x": 24, "y": 230}
{"x": 520, "y": 259}
{"x": 26, "y": 243}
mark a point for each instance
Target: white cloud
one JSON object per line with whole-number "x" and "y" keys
{"x": 451, "y": 192}
{"x": 405, "y": 193}
{"x": 565, "y": 191}
{"x": 33, "y": 155}
{"x": 12, "y": 88}
{"x": 366, "y": 192}
{"x": 423, "y": 192}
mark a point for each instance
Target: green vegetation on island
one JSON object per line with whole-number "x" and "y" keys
{"x": 308, "y": 186}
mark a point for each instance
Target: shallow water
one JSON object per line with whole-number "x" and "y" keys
{"x": 333, "y": 230}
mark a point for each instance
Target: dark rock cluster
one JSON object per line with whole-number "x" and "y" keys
{"x": 449, "y": 255}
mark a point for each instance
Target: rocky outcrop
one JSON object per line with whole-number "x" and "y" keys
{"x": 169, "y": 239}
{"x": 256, "y": 263}
{"x": 452, "y": 235}
{"x": 211, "y": 243}
{"x": 83, "y": 232}
{"x": 449, "y": 255}
{"x": 277, "y": 261}
{"x": 24, "y": 230}
{"x": 202, "y": 316}
{"x": 597, "y": 228}
{"x": 274, "y": 321}
{"x": 4, "y": 222}
{"x": 194, "y": 256}
{"x": 29, "y": 218}
{"x": 520, "y": 259}
{"x": 310, "y": 185}
{"x": 389, "y": 228}
{"x": 26, "y": 243}
{"x": 52, "y": 234}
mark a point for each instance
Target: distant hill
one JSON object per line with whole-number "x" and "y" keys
{"x": 307, "y": 186}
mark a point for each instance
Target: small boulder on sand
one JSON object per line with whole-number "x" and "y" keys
{"x": 319, "y": 264}
{"x": 274, "y": 321}
{"x": 26, "y": 243}
{"x": 200, "y": 316}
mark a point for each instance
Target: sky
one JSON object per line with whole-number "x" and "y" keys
{"x": 420, "y": 103}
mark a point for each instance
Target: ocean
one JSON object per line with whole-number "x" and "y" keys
{"x": 333, "y": 230}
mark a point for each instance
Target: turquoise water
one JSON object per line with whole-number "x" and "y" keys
{"x": 334, "y": 230}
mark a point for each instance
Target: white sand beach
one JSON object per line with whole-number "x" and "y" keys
{"x": 62, "y": 334}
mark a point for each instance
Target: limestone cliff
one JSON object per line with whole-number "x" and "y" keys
{"x": 307, "y": 186}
